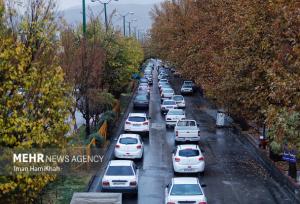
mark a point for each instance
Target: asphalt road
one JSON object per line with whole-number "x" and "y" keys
{"x": 232, "y": 173}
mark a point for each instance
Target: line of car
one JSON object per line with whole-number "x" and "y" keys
{"x": 122, "y": 175}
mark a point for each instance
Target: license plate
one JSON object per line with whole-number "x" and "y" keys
{"x": 136, "y": 124}
{"x": 169, "y": 106}
{"x": 189, "y": 169}
{"x": 119, "y": 184}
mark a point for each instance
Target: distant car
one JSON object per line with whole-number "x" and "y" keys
{"x": 184, "y": 190}
{"x": 120, "y": 176}
{"x": 176, "y": 74}
{"x": 186, "y": 131}
{"x": 164, "y": 86}
{"x": 129, "y": 146}
{"x": 167, "y": 94}
{"x": 190, "y": 83}
{"x": 143, "y": 80}
{"x": 137, "y": 122}
{"x": 141, "y": 101}
{"x": 167, "y": 105}
{"x": 186, "y": 89}
{"x": 188, "y": 159}
{"x": 144, "y": 88}
{"x": 179, "y": 100}
{"x": 173, "y": 116}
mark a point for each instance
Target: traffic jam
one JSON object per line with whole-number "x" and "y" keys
{"x": 122, "y": 174}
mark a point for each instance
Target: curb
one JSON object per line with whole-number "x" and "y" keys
{"x": 287, "y": 183}
{"x": 115, "y": 133}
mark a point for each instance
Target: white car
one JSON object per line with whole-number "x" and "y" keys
{"x": 188, "y": 159}
{"x": 186, "y": 89}
{"x": 173, "y": 116}
{"x": 129, "y": 146}
{"x": 137, "y": 122}
{"x": 120, "y": 176}
{"x": 167, "y": 93}
{"x": 179, "y": 100}
{"x": 186, "y": 131}
{"x": 167, "y": 105}
{"x": 184, "y": 190}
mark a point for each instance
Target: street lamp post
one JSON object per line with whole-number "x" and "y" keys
{"x": 83, "y": 18}
{"x": 129, "y": 26}
{"x": 124, "y": 21}
{"x": 105, "y": 11}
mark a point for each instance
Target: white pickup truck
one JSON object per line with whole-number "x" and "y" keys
{"x": 187, "y": 131}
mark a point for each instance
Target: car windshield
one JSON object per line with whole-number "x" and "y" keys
{"x": 178, "y": 98}
{"x": 141, "y": 97}
{"x": 188, "y": 83}
{"x": 186, "y": 189}
{"x": 189, "y": 153}
{"x": 119, "y": 171}
{"x": 176, "y": 112}
{"x": 128, "y": 140}
{"x": 186, "y": 123}
{"x": 169, "y": 103}
{"x": 136, "y": 119}
{"x": 141, "y": 88}
{"x": 143, "y": 80}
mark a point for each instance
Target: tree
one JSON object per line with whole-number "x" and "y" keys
{"x": 35, "y": 100}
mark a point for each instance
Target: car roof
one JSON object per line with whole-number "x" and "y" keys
{"x": 185, "y": 180}
{"x": 120, "y": 163}
{"x": 129, "y": 135}
{"x": 188, "y": 146}
{"x": 137, "y": 115}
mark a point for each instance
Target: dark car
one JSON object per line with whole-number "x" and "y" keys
{"x": 141, "y": 101}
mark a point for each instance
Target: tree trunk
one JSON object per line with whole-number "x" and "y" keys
{"x": 293, "y": 170}
{"x": 87, "y": 118}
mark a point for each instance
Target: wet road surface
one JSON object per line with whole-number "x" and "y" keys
{"x": 232, "y": 173}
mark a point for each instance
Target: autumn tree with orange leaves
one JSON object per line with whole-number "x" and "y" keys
{"x": 244, "y": 54}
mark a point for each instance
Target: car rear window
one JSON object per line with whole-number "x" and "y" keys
{"x": 169, "y": 103}
{"x": 186, "y": 189}
{"x": 188, "y": 153}
{"x": 186, "y": 123}
{"x": 119, "y": 171}
{"x": 168, "y": 91}
{"x": 178, "y": 98}
{"x": 137, "y": 119}
{"x": 128, "y": 140}
{"x": 175, "y": 112}
{"x": 141, "y": 97}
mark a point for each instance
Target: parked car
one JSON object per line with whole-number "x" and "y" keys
{"x": 120, "y": 176}
{"x": 185, "y": 190}
{"x": 187, "y": 131}
{"x": 141, "y": 101}
{"x": 143, "y": 80}
{"x": 179, "y": 100}
{"x": 137, "y": 122}
{"x": 144, "y": 88}
{"x": 129, "y": 146}
{"x": 173, "y": 116}
{"x": 188, "y": 159}
{"x": 186, "y": 89}
{"x": 164, "y": 86}
{"x": 167, "y": 105}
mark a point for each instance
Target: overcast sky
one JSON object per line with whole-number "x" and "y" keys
{"x": 64, "y": 4}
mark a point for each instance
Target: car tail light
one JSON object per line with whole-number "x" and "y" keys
{"x": 117, "y": 146}
{"x": 199, "y": 133}
{"x": 177, "y": 159}
{"x": 132, "y": 183}
{"x": 105, "y": 183}
{"x": 139, "y": 147}
{"x": 145, "y": 123}
{"x": 176, "y": 133}
{"x": 128, "y": 123}
{"x": 201, "y": 159}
